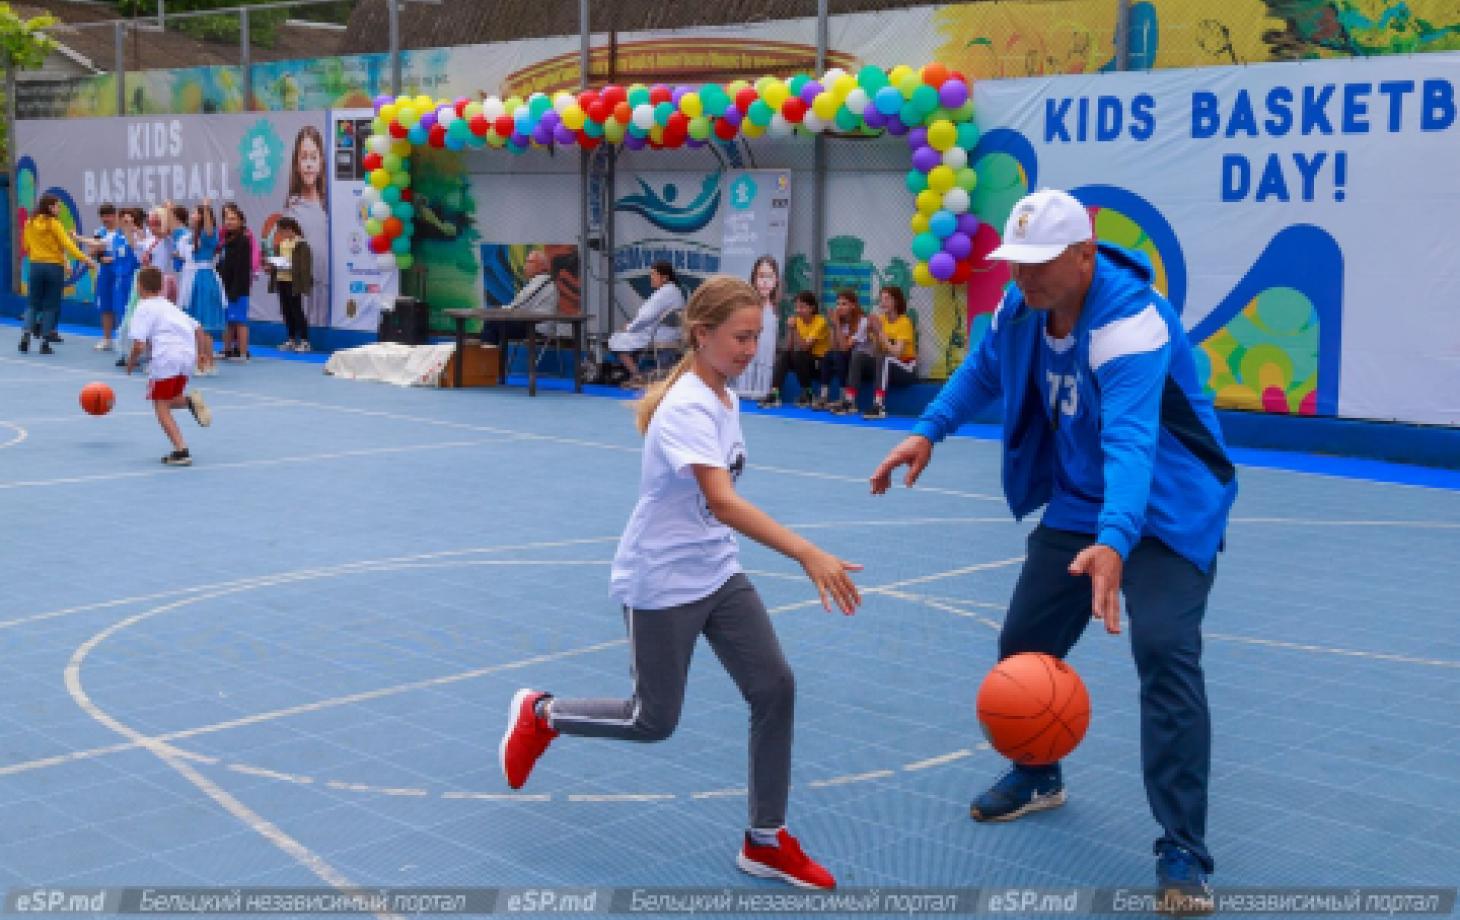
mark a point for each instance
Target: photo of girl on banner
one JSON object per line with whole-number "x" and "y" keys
{"x": 755, "y": 381}
{"x": 305, "y": 201}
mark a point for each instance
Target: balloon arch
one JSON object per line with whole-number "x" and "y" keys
{"x": 931, "y": 107}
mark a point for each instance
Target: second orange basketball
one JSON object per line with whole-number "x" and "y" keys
{"x": 97, "y": 398}
{"x": 1033, "y": 708}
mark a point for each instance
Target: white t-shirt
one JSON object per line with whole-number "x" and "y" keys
{"x": 169, "y": 334}
{"x": 673, "y": 550}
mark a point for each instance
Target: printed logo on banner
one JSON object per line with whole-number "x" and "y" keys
{"x": 659, "y": 209}
{"x": 262, "y": 154}
{"x": 742, "y": 193}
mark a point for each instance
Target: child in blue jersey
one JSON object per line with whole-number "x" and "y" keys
{"x": 1106, "y": 425}
{"x": 100, "y": 245}
{"x": 677, "y": 573}
{"x": 126, "y": 253}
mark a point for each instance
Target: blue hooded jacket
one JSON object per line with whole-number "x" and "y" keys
{"x": 1141, "y": 453}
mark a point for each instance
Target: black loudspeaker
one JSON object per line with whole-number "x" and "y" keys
{"x": 408, "y": 323}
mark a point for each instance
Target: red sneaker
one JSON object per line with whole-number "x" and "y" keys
{"x": 526, "y": 737}
{"x": 786, "y": 862}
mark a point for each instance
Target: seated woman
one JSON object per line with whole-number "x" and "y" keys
{"x": 895, "y": 361}
{"x": 635, "y": 337}
{"x": 807, "y": 340}
{"x": 849, "y": 338}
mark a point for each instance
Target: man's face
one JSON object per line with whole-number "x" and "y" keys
{"x": 535, "y": 265}
{"x": 1058, "y": 283}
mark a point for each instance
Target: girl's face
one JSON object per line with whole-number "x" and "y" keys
{"x": 109, "y": 221}
{"x": 730, "y": 346}
{"x": 805, "y": 311}
{"x": 843, "y": 307}
{"x": 232, "y": 221}
{"x": 196, "y": 222}
{"x": 888, "y": 305}
{"x": 656, "y": 280}
{"x": 310, "y": 163}
{"x": 154, "y": 223}
{"x": 129, "y": 222}
{"x": 765, "y": 280}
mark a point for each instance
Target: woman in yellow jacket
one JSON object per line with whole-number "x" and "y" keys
{"x": 47, "y": 243}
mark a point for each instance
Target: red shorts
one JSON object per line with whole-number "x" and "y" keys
{"x": 167, "y": 388}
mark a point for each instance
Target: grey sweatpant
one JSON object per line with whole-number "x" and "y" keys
{"x": 661, "y": 643}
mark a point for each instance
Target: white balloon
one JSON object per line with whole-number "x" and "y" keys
{"x": 956, "y": 200}
{"x": 858, "y": 100}
{"x": 369, "y": 196}
{"x": 561, "y": 101}
{"x": 380, "y": 210}
{"x": 831, "y": 76}
{"x": 379, "y": 143}
{"x": 493, "y": 108}
{"x": 955, "y": 158}
{"x": 445, "y": 116}
{"x": 385, "y": 260}
{"x": 813, "y": 123}
{"x": 778, "y": 127}
{"x": 644, "y": 116}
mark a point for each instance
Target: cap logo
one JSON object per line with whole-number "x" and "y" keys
{"x": 1021, "y": 226}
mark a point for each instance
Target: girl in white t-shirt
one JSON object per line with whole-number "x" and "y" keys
{"x": 677, "y": 573}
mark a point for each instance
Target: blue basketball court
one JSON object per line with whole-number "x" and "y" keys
{"x": 289, "y": 665}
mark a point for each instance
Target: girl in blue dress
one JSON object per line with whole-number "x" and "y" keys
{"x": 205, "y": 290}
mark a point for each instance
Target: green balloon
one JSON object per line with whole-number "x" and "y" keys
{"x": 401, "y": 179}
{"x": 404, "y": 210}
{"x": 662, "y": 111}
{"x": 390, "y": 162}
{"x": 760, "y": 113}
{"x": 699, "y": 128}
{"x": 846, "y": 119}
{"x": 372, "y": 227}
{"x": 795, "y": 83}
{"x": 967, "y": 135}
{"x": 404, "y": 260}
{"x": 925, "y": 98}
{"x": 871, "y": 79}
{"x": 538, "y": 105}
{"x": 638, "y": 97}
{"x": 916, "y": 181}
{"x": 592, "y": 128}
{"x": 390, "y": 194}
{"x": 926, "y": 245}
{"x": 966, "y": 179}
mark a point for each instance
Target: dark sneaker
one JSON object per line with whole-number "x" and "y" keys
{"x": 772, "y": 400}
{"x": 1182, "y": 889}
{"x": 876, "y": 412}
{"x": 24, "y": 342}
{"x": 178, "y": 458}
{"x": 201, "y": 413}
{"x": 785, "y": 861}
{"x": 46, "y": 347}
{"x": 818, "y": 404}
{"x": 845, "y": 407}
{"x": 54, "y": 338}
{"x": 804, "y": 400}
{"x": 527, "y": 736}
{"x": 1021, "y": 791}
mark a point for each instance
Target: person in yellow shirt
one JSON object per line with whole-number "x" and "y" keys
{"x": 808, "y": 338}
{"x": 896, "y": 362}
{"x": 47, "y": 243}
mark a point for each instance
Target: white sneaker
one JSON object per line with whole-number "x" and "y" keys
{"x": 286, "y": 345}
{"x": 105, "y": 345}
{"x": 201, "y": 413}
{"x": 303, "y": 345}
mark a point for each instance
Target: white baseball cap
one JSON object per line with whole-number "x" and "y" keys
{"x": 1042, "y": 225}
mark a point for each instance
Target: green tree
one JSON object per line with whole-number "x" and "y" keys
{"x": 25, "y": 47}
{"x": 263, "y": 25}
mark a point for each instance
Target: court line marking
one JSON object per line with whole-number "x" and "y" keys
{"x": 20, "y": 435}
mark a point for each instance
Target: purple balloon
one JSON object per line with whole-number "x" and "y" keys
{"x": 692, "y": 142}
{"x": 520, "y": 139}
{"x": 917, "y": 137}
{"x": 733, "y": 115}
{"x": 382, "y": 100}
{"x": 810, "y": 91}
{"x": 634, "y": 142}
{"x": 428, "y": 119}
{"x": 967, "y": 224}
{"x": 564, "y": 135}
{"x": 550, "y": 118}
{"x": 542, "y": 133}
{"x": 959, "y": 246}
{"x": 953, "y": 93}
{"x": 942, "y": 265}
{"x": 874, "y": 118}
{"x": 895, "y": 127}
{"x": 925, "y": 158}
{"x": 679, "y": 93}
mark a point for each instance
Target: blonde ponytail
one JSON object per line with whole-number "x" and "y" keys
{"x": 713, "y": 302}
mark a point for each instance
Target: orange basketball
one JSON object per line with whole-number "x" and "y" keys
{"x": 97, "y": 398}
{"x": 1033, "y": 708}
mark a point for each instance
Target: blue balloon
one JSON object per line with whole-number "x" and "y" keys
{"x": 390, "y": 194}
{"x": 888, "y": 101}
{"x": 943, "y": 224}
{"x": 401, "y": 245}
{"x": 404, "y": 210}
{"x": 417, "y": 135}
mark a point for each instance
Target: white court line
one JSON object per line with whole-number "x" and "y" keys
{"x": 82, "y": 418}
{"x": 940, "y": 759}
{"x": 850, "y": 778}
{"x": 621, "y": 797}
{"x": 20, "y": 435}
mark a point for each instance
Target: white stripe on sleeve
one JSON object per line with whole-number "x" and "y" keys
{"x": 1146, "y": 331}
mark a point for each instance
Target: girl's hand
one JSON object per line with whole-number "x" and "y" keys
{"x": 829, "y": 574}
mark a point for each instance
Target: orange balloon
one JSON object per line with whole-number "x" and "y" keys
{"x": 392, "y": 227}
{"x": 623, "y": 112}
{"x": 935, "y": 74}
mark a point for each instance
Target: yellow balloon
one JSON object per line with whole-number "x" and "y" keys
{"x": 929, "y": 202}
{"x": 843, "y": 87}
{"x": 379, "y": 178}
{"x": 387, "y": 111}
{"x": 424, "y": 104}
{"x": 775, "y": 93}
{"x": 573, "y": 117}
{"x": 922, "y": 276}
{"x": 895, "y": 75}
{"x": 941, "y": 179}
{"x": 825, "y": 106}
{"x": 656, "y": 134}
{"x": 749, "y": 128}
{"x": 400, "y": 147}
{"x": 909, "y": 85}
{"x": 919, "y": 223}
{"x": 734, "y": 88}
{"x": 691, "y": 105}
{"x": 942, "y": 135}
{"x": 472, "y": 110}
{"x": 512, "y": 104}
{"x": 402, "y": 100}
{"x": 407, "y": 116}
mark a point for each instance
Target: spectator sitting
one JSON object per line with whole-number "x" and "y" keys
{"x": 538, "y": 295}
{"x": 896, "y": 362}
{"x": 650, "y": 321}
{"x": 808, "y": 338}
